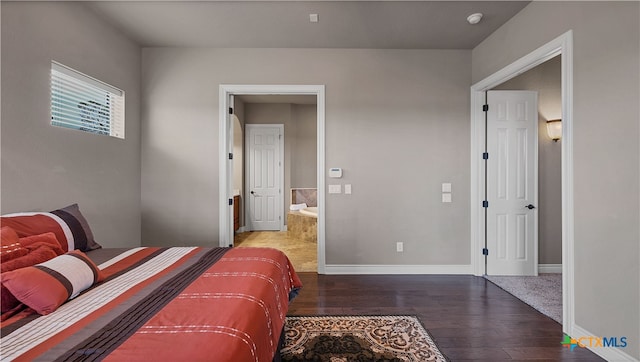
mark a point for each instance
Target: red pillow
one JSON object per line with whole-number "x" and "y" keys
{"x": 7, "y": 300}
{"x": 35, "y": 224}
{"x": 45, "y": 287}
{"x": 9, "y": 236}
{"x": 39, "y": 254}
{"x": 69, "y": 224}
{"x": 10, "y": 247}
{"x": 40, "y": 248}
{"x": 34, "y": 241}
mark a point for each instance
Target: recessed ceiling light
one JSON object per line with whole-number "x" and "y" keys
{"x": 474, "y": 18}
{"x": 313, "y": 18}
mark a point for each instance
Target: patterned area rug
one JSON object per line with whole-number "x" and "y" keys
{"x": 358, "y": 338}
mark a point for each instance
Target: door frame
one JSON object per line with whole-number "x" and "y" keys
{"x": 247, "y": 170}
{"x": 561, "y": 45}
{"x": 226, "y": 92}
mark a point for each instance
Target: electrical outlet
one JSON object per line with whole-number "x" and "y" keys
{"x": 399, "y": 247}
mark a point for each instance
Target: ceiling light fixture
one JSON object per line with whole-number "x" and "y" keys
{"x": 313, "y": 18}
{"x": 474, "y": 18}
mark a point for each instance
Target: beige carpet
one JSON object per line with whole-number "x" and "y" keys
{"x": 358, "y": 338}
{"x": 543, "y": 293}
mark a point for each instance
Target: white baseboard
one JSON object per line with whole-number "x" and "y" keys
{"x": 550, "y": 268}
{"x": 397, "y": 269}
{"x": 608, "y": 353}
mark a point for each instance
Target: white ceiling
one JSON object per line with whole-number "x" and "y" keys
{"x": 285, "y": 24}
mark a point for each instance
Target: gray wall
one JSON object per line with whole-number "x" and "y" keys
{"x": 305, "y": 153}
{"x": 300, "y": 140}
{"x": 397, "y": 122}
{"x": 545, "y": 79}
{"x": 46, "y": 167}
{"x": 606, "y": 154}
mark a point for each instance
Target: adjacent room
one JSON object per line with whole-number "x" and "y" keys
{"x": 290, "y": 223}
{"x": 309, "y": 165}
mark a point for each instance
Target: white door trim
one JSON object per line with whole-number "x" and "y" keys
{"x": 247, "y": 168}
{"x": 560, "y": 45}
{"x": 226, "y": 178}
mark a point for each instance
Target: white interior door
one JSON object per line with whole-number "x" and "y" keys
{"x": 512, "y": 183}
{"x": 265, "y": 151}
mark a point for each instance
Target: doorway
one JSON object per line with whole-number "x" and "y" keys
{"x": 227, "y": 93}
{"x": 542, "y": 287}
{"x": 559, "y": 46}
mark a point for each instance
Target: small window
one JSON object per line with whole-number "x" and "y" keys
{"x": 85, "y": 103}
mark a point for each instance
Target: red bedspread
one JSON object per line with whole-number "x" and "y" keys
{"x": 176, "y": 304}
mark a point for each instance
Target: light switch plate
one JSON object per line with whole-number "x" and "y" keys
{"x": 446, "y": 197}
{"x": 446, "y": 187}
{"x": 347, "y": 189}
{"x": 335, "y": 189}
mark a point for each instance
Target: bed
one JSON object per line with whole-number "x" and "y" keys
{"x": 147, "y": 304}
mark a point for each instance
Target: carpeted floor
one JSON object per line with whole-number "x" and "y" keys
{"x": 358, "y": 338}
{"x": 544, "y": 292}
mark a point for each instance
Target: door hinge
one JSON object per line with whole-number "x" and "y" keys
{"x": 230, "y": 202}
{"x": 485, "y": 251}
{"x": 230, "y": 110}
{"x": 230, "y": 156}
{"x": 485, "y": 107}
{"x": 485, "y": 156}
{"x": 485, "y": 203}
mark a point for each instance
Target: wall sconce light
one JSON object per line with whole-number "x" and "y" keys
{"x": 554, "y": 129}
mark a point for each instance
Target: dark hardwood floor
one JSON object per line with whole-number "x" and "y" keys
{"x": 469, "y": 317}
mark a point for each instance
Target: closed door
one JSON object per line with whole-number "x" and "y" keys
{"x": 264, "y": 176}
{"x": 512, "y": 183}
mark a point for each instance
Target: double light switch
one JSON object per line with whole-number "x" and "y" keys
{"x": 337, "y": 189}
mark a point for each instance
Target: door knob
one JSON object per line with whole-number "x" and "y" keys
{"x": 530, "y": 207}
{"x": 252, "y": 192}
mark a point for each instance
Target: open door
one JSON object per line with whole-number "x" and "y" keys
{"x": 512, "y": 183}
{"x": 264, "y": 176}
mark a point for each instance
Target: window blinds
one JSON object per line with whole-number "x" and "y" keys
{"x": 85, "y": 103}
